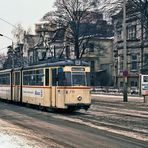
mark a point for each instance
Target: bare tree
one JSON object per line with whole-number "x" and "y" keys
{"x": 29, "y": 30}
{"x": 111, "y": 6}
{"x": 3, "y": 58}
{"x": 71, "y": 15}
{"x": 140, "y": 6}
{"x": 18, "y": 33}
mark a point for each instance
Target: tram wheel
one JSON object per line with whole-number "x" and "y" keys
{"x": 40, "y": 107}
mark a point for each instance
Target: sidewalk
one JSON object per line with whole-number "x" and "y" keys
{"x": 112, "y": 97}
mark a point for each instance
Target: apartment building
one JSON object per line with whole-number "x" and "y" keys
{"x": 137, "y": 47}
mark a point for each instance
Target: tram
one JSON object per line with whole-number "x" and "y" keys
{"x": 60, "y": 85}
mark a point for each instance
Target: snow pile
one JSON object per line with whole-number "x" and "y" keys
{"x": 12, "y": 136}
{"x": 12, "y": 141}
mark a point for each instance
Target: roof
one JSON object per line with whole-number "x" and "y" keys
{"x": 6, "y": 70}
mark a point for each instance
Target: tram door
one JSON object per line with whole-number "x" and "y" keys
{"x": 17, "y": 86}
{"x": 58, "y": 93}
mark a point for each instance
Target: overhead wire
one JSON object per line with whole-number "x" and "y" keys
{"x": 7, "y": 22}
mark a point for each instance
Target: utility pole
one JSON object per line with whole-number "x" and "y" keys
{"x": 142, "y": 43}
{"x": 125, "y": 68}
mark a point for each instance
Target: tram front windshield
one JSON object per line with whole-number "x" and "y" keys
{"x": 76, "y": 79}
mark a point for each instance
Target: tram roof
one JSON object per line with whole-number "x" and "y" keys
{"x": 60, "y": 63}
{"x": 5, "y": 70}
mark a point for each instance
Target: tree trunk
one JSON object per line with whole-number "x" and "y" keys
{"x": 77, "y": 50}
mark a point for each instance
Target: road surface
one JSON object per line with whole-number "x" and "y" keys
{"x": 109, "y": 123}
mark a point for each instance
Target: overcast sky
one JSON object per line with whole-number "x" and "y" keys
{"x": 26, "y": 12}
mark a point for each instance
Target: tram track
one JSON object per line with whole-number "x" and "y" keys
{"x": 98, "y": 117}
{"x": 109, "y": 117}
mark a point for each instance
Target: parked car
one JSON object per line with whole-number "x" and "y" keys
{"x": 134, "y": 91}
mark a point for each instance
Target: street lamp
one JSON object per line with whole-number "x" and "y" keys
{"x": 12, "y": 48}
{"x": 125, "y": 69}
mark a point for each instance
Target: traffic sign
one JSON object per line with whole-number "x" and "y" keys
{"x": 125, "y": 73}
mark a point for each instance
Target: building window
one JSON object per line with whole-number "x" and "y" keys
{"x": 146, "y": 58}
{"x": 92, "y": 65}
{"x": 105, "y": 67}
{"x": 31, "y": 59}
{"x": 145, "y": 34}
{"x": 134, "y": 64}
{"x": 131, "y": 32}
{"x": 91, "y": 47}
{"x": 120, "y": 63}
{"x": 121, "y": 84}
{"x": 121, "y": 66}
{"x": 119, "y": 37}
{"x": 134, "y": 84}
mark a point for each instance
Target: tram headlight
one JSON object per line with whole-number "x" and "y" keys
{"x": 79, "y": 98}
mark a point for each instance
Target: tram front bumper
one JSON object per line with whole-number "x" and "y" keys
{"x": 78, "y": 105}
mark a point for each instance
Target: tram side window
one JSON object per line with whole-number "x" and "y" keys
{"x": 61, "y": 79}
{"x": 39, "y": 77}
{"x": 64, "y": 79}
{"x": 33, "y": 77}
{"x": 47, "y": 77}
{"x": 54, "y": 77}
{"x": 25, "y": 79}
{"x": 5, "y": 79}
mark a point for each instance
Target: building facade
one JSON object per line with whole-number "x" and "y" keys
{"x": 99, "y": 53}
{"x": 137, "y": 47}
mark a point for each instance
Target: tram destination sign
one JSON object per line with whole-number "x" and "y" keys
{"x": 77, "y": 69}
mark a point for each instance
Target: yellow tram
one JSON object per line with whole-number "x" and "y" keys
{"x": 62, "y": 85}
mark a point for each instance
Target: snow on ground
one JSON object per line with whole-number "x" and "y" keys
{"x": 12, "y": 136}
{"x": 131, "y": 98}
{"x": 12, "y": 141}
